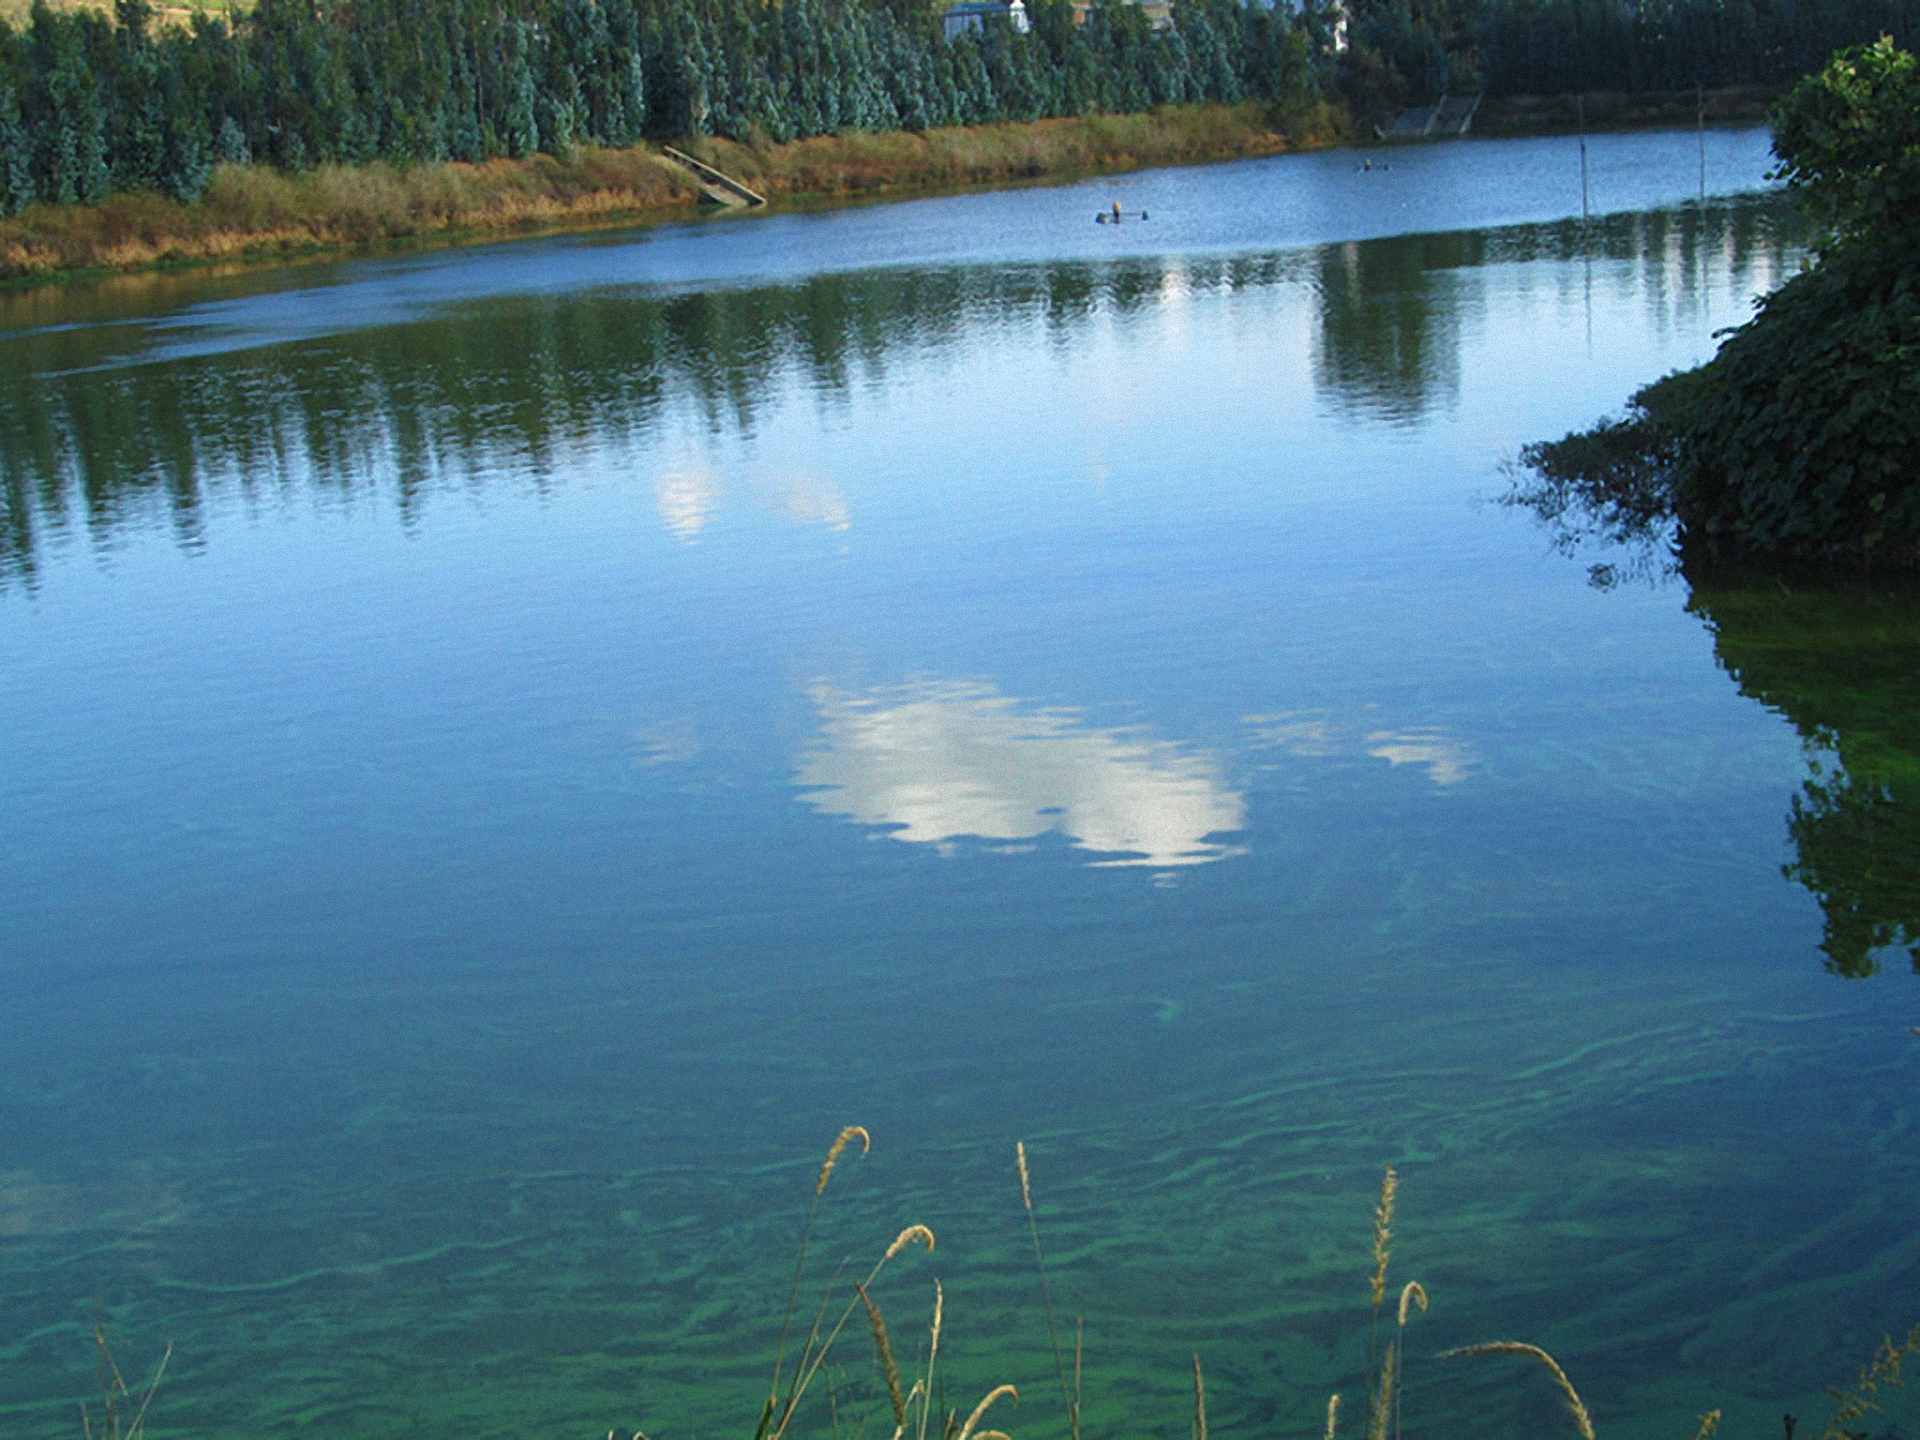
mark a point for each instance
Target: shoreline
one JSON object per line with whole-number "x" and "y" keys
{"x": 253, "y": 216}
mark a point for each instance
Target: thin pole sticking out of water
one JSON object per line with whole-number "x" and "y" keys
{"x": 1700, "y": 100}
{"x": 1580, "y": 104}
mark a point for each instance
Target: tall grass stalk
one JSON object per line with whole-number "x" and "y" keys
{"x": 1067, "y": 1397}
{"x": 840, "y": 1143}
{"x": 933, "y": 1359}
{"x": 1377, "y": 1283}
{"x": 115, "y": 1397}
{"x": 1411, "y": 1293}
{"x": 1575, "y": 1405}
{"x": 818, "y": 1347}
{"x": 967, "y": 1430}
{"x": 889, "y": 1369}
{"x": 1856, "y": 1403}
{"x": 1381, "y": 1410}
{"x": 1079, "y": 1345}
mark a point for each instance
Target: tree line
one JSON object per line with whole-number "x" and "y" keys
{"x": 92, "y": 103}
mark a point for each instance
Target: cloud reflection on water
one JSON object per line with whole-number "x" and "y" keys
{"x": 1316, "y": 735}
{"x": 1448, "y": 761}
{"x": 939, "y": 760}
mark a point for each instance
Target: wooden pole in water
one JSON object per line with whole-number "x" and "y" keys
{"x": 1580, "y": 107}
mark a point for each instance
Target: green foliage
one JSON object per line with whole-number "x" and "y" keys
{"x": 1614, "y": 482}
{"x": 1804, "y": 436}
{"x": 1801, "y": 438}
{"x": 1848, "y": 140}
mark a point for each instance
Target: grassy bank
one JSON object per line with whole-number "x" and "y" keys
{"x": 253, "y": 211}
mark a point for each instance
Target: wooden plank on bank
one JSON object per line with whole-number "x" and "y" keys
{"x": 717, "y": 185}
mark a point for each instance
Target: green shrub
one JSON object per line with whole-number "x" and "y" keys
{"x": 1802, "y": 436}
{"x": 1804, "y": 432}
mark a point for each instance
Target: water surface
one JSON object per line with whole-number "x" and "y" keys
{"x": 507, "y": 750}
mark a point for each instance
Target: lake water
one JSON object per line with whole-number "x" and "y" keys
{"x": 504, "y": 751}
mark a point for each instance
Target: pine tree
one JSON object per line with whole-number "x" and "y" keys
{"x": 16, "y": 155}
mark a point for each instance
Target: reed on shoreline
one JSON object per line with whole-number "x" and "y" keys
{"x": 253, "y": 211}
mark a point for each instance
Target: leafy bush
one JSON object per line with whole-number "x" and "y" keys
{"x": 1804, "y": 431}
{"x": 1802, "y": 436}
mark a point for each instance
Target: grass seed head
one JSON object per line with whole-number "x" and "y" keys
{"x": 852, "y": 1132}
{"x": 1383, "y": 1235}
{"x": 966, "y": 1430}
{"x": 906, "y": 1237}
{"x": 1412, "y": 1293}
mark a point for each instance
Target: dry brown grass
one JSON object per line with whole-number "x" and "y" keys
{"x": 253, "y": 211}
{"x": 165, "y": 12}
{"x": 1069, "y": 1398}
{"x": 847, "y": 165}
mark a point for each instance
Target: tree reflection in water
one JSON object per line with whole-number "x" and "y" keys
{"x": 100, "y": 434}
{"x": 1838, "y": 657}
{"x": 1841, "y": 662}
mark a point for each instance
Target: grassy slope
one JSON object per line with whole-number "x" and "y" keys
{"x": 254, "y": 211}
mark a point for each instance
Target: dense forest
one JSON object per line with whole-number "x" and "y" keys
{"x": 88, "y": 106}
{"x": 91, "y": 103}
